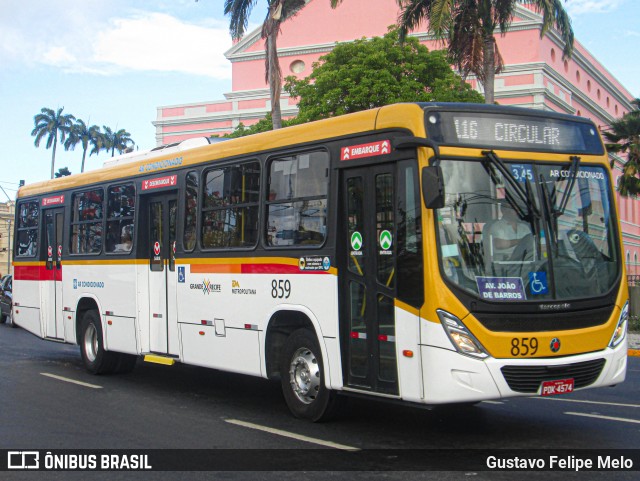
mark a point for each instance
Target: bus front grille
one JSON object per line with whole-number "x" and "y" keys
{"x": 527, "y": 379}
{"x": 544, "y": 321}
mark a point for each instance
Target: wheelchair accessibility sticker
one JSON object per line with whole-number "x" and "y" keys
{"x": 538, "y": 283}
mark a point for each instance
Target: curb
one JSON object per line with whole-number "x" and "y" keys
{"x": 634, "y": 352}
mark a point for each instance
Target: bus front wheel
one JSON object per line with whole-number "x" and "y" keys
{"x": 302, "y": 378}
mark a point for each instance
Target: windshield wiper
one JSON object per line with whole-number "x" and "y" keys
{"x": 525, "y": 195}
{"x": 551, "y": 217}
{"x": 573, "y": 172}
{"x": 552, "y": 211}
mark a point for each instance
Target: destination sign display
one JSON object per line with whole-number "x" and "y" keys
{"x": 495, "y": 130}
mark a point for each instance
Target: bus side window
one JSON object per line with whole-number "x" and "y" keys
{"x": 230, "y": 206}
{"x": 27, "y": 233}
{"x": 121, "y": 203}
{"x": 190, "y": 211}
{"x": 297, "y": 201}
{"x": 86, "y": 222}
{"x": 409, "y": 262}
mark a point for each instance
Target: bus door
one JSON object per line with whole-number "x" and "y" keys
{"x": 163, "y": 312}
{"x": 368, "y": 278}
{"x": 52, "y": 295}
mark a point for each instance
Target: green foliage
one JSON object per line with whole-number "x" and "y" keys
{"x": 62, "y": 172}
{"x": 264, "y": 125}
{"x": 51, "y": 124}
{"x": 365, "y": 74}
{"x": 624, "y": 136}
{"x": 84, "y": 135}
{"x": 119, "y": 140}
{"x": 74, "y": 131}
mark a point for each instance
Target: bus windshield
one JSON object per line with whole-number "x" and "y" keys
{"x": 547, "y": 233}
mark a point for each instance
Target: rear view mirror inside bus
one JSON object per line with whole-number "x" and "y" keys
{"x": 433, "y": 187}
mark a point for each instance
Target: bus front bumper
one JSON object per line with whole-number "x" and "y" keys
{"x": 450, "y": 377}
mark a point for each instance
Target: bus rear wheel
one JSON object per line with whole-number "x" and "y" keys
{"x": 302, "y": 378}
{"x": 94, "y": 356}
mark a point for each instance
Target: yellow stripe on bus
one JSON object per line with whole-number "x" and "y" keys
{"x": 105, "y": 262}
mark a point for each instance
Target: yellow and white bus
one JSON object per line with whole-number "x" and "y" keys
{"x": 428, "y": 253}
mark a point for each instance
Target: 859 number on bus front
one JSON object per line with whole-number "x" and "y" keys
{"x": 524, "y": 346}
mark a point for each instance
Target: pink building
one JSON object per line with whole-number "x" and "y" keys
{"x": 535, "y": 76}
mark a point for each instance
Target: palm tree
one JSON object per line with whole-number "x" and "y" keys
{"x": 624, "y": 135}
{"x": 113, "y": 141}
{"x": 469, "y": 26}
{"x": 279, "y": 11}
{"x": 98, "y": 143}
{"x": 49, "y": 123}
{"x": 81, "y": 134}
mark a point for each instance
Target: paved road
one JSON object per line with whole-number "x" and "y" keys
{"x": 157, "y": 407}
{"x": 634, "y": 343}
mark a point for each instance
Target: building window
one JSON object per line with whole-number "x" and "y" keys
{"x": 553, "y": 54}
{"x": 607, "y": 102}
{"x": 121, "y": 206}
{"x": 297, "y": 200}
{"x": 27, "y": 233}
{"x": 578, "y": 76}
{"x": 297, "y": 66}
{"x": 86, "y": 222}
{"x": 598, "y": 94}
{"x": 230, "y": 210}
{"x": 588, "y": 85}
{"x": 628, "y": 260}
{"x": 566, "y": 66}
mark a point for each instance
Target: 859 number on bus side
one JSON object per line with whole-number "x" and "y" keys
{"x": 524, "y": 346}
{"x": 280, "y": 289}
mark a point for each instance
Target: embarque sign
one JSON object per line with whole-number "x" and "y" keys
{"x": 371, "y": 149}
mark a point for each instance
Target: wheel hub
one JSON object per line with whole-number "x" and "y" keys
{"x": 91, "y": 343}
{"x": 304, "y": 375}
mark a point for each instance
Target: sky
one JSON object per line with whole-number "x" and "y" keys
{"x": 113, "y": 62}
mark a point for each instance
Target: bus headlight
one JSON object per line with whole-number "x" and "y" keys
{"x": 621, "y": 328}
{"x": 462, "y": 339}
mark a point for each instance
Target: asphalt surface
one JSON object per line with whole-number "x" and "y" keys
{"x": 50, "y": 402}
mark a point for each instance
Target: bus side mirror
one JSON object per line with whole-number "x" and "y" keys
{"x": 433, "y": 187}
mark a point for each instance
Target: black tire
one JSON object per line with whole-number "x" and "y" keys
{"x": 303, "y": 381}
{"x": 94, "y": 356}
{"x": 125, "y": 363}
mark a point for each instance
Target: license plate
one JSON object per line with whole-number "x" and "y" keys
{"x": 561, "y": 386}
